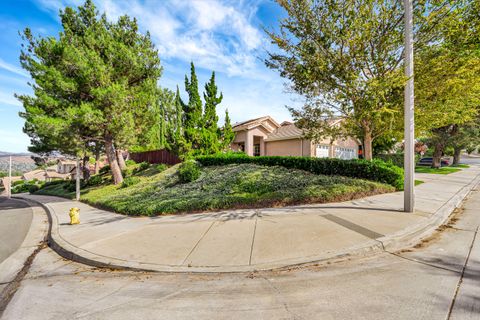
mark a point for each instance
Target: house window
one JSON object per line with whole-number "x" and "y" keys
{"x": 241, "y": 147}
{"x": 256, "y": 150}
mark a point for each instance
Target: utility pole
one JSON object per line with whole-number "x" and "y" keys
{"x": 409, "y": 150}
{"x": 10, "y": 178}
{"x": 77, "y": 182}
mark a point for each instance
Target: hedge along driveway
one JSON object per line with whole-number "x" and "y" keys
{"x": 375, "y": 170}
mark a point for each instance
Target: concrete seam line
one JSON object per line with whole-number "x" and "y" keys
{"x": 253, "y": 241}
{"x": 198, "y": 242}
{"x": 460, "y": 281}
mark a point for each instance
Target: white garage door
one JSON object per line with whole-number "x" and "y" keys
{"x": 345, "y": 153}
{"x": 322, "y": 151}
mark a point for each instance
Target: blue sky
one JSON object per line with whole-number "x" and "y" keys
{"x": 223, "y": 36}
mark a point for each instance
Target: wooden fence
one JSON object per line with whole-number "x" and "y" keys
{"x": 156, "y": 156}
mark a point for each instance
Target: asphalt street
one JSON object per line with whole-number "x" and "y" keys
{"x": 15, "y": 219}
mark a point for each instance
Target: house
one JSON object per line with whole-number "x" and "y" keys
{"x": 265, "y": 137}
{"x": 65, "y": 166}
{"x": 73, "y": 172}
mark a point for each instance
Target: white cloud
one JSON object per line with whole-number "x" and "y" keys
{"x": 213, "y": 35}
{"x": 221, "y": 36}
{"x": 10, "y": 67}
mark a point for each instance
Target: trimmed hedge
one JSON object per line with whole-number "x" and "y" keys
{"x": 375, "y": 170}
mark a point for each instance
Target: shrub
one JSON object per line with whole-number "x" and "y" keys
{"x": 95, "y": 180}
{"x": 129, "y": 181}
{"x": 189, "y": 171}
{"x": 396, "y": 159}
{"x": 17, "y": 183}
{"x": 130, "y": 162}
{"x": 21, "y": 188}
{"x": 71, "y": 185}
{"x": 33, "y": 188}
{"x": 375, "y": 170}
{"x": 52, "y": 183}
{"x": 161, "y": 167}
{"x": 105, "y": 169}
{"x": 143, "y": 166}
{"x": 127, "y": 172}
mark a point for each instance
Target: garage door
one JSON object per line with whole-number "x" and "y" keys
{"x": 345, "y": 153}
{"x": 322, "y": 151}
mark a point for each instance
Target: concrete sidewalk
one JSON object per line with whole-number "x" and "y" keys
{"x": 246, "y": 240}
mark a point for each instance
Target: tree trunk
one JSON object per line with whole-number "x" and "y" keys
{"x": 121, "y": 161}
{"x": 97, "y": 159}
{"x": 456, "y": 155}
{"x": 86, "y": 167}
{"x": 112, "y": 160}
{"x": 437, "y": 155}
{"x": 367, "y": 145}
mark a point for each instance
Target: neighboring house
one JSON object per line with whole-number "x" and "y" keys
{"x": 38, "y": 174}
{"x": 53, "y": 175}
{"x": 73, "y": 172}
{"x": 65, "y": 166}
{"x": 265, "y": 137}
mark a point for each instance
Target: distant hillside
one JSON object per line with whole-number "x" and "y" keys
{"x": 20, "y": 161}
{"x": 6, "y": 154}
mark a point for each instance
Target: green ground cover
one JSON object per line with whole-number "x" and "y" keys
{"x": 442, "y": 170}
{"x": 221, "y": 187}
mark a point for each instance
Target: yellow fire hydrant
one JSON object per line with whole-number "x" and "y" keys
{"x": 74, "y": 215}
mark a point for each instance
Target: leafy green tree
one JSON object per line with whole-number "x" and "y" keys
{"x": 345, "y": 57}
{"x": 467, "y": 138}
{"x": 157, "y": 130}
{"x": 94, "y": 82}
{"x": 448, "y": 80}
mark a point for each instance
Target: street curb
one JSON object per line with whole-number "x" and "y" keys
{"x": 36, "y": 236}
{"x": 400, "y": 240}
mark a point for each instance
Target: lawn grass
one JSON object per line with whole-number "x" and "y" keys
{"x": 418, "y": 182}
{"x": 223, "y": 187}
{"x": 442, "y": 170}
{"x": 460, "y": 165}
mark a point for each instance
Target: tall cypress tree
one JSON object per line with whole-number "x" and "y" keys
{"x": 192, "y": 110}
{"x": 210, "y": 117}
{"x": 179, "y": 115}
{"x": 211, "y": 136}
{"x": 227, "y": 133}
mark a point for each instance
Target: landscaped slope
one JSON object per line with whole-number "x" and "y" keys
{"x": 223, "y": 187}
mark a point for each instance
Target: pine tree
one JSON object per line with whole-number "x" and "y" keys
{"x": 96, "y": 81}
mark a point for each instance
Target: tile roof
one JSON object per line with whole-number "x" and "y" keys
{"x": 290, "y": 131}
{"x": 34, "y": 174}
{"x": 252, "y": 122}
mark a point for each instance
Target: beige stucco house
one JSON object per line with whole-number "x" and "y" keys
{"x": 265, "y": 137}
